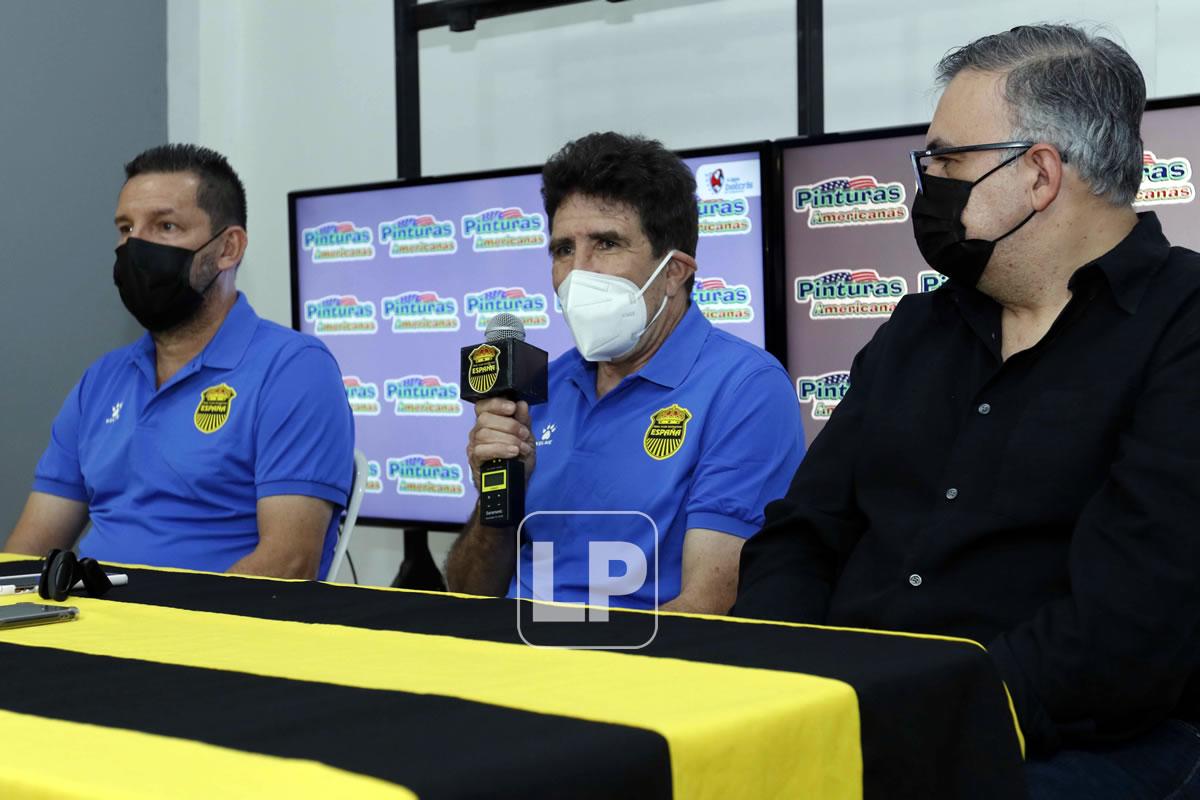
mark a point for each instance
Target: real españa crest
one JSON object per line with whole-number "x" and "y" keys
{"x": 668, "y": 428}
{"x": 214, "y": 407}
{"x": 484, "y": 368}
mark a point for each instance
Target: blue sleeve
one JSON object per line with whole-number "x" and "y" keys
{"x": 304, "y": 436}
{"x": 752, "y": 444}
{"x": 58, "y": 471}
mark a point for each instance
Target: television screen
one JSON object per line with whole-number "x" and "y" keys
{"x": 395, "y": 278}
{"x": 848, "y": 248}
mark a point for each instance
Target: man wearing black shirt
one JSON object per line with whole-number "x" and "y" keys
{"x": 1018, "y": 458}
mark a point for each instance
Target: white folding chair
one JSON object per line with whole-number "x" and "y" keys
{"x": 357, "y": 486}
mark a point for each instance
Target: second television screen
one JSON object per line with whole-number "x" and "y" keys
{"x": 848, "y": 241}
{"x": 395, "y": 279}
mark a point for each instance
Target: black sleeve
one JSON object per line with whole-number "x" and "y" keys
{"x": 1115, "y": 656}
{"x": 789, "y": 567}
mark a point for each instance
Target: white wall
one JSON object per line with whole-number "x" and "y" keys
{"x": 879, "y": 56}
{"x": 297, "y": 93}
{"x": 690, "y": 73}
{"x": 301, "y": 93}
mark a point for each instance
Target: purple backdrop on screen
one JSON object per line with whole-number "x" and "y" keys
{"x": 396, "y": 280}
{"x": 849, "y": 250}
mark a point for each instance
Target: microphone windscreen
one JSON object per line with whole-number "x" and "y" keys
{"x": 504, "y": 326}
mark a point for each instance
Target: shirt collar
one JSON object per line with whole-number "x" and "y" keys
{"x": 142, "y": 355}
{"x": 226, "y": 349}
{"x": 667, "y": 367}
{"x": 1127, "y": 268}
{"x": 1130, "y": 265}
{"x": 675, "y": 357}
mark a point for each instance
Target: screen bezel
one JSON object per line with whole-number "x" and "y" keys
{"x": 773, "y": 300}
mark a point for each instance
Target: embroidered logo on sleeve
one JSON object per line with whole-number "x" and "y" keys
{"x": 668, "y": 428}
{"x": 214, "y": 407}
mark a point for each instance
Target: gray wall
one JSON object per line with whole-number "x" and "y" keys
{"x": 83, "y": 88}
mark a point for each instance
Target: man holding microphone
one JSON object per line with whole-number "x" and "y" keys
{"x": 654, "y": 412}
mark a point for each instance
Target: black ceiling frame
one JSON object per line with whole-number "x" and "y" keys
{"x": 410, "y": 18}
{"x": 810, "y": 67}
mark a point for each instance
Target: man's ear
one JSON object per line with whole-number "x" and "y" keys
{"x": 679, "y": 270}
{"x": 233, "y": 247}
{"x": 1047, "y": 166}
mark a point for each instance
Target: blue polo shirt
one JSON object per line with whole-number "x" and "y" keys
{"x": 703, "y": 436}
{"x": 171, "y": 476}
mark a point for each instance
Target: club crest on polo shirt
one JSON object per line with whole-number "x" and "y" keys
{"x": 666, "y": 432}
{"x": 213, "y": 410}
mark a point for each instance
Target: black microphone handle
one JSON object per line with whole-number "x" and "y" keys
{"x": 515, "y": 371}
{"x": 502, "y": 492}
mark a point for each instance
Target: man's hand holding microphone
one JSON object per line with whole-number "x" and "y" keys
{"x": 502, "y": 430}
{"x": 502, "y": 377}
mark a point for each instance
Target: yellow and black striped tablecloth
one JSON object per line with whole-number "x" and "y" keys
{"x": 197, "y": 685}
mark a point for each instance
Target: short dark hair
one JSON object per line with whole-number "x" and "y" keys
{"x": 635, "y": 171}
{"x": 221, "y": 194}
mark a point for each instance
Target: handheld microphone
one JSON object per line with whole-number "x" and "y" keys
{"x": 505, "y": 365}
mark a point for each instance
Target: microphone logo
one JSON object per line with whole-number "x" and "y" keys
{"x": 484, "y": 368}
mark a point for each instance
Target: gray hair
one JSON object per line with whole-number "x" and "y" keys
{"x": 1078, "y": 91}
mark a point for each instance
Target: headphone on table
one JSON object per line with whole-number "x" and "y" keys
{"x": 63, "y": 570}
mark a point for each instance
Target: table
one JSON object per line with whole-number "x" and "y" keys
{"x": 189, "y": 684}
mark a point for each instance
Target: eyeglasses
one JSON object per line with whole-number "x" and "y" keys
{"x": 919, "y": 156}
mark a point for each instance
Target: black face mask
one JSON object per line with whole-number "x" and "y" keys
{"x": 155, "y": 282}
{"x": 942, "y": 238}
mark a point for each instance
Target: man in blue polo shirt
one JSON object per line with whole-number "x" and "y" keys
{"x": 218, "y": 441}
{"x": 684, "y": 431}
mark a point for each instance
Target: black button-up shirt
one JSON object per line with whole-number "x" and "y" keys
{"x": 1046, "y": 506}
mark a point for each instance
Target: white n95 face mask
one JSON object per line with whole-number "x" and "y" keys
{"x": 605, "y": 313}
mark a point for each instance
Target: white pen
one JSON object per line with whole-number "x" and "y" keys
{"x": 117, "y": 579}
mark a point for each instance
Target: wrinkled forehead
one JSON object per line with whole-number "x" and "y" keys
{"x": 581, "y": 214}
